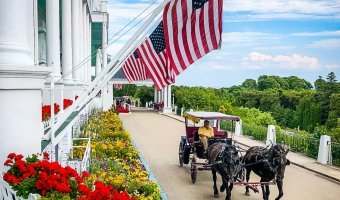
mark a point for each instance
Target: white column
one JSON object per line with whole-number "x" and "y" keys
{"x": 14, "y": 46}
{"x": 89, "y": 74}
{"x": 159, "y": 96}
{"x": 104, "y": 45}
{"x": 81, "y": 43}
{"x": 66, "y": 42}
{"x": 75, "y": 40}
{"x": 85, "y": 23}
{"x": 20, "y": 83}
{"x": 169, "y": 97}
{"x": 165, "y": 96}
{"x": 155, "y": 96}
{"x": 52, "y": 35}
{"x": 98, "y": 62}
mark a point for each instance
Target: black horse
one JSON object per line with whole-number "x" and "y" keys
{"x": 268, "y": 164}
{"x": 225, "y": 160}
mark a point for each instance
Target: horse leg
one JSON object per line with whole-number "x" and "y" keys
{"x": 247, "y": 179}
{"x": 228, "y": 191}
{"x": 279, "y": 186}
{"x": 214, "y": 179}
{"x": 264, "y": 193}
{"x": 267, "y": 191}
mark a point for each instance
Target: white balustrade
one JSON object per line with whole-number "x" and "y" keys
{"x": 7, "y": 193}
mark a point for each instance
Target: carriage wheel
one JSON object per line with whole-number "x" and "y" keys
{"x": 193, "y": 170}
{"x": 193, "y": 173}
{"x": 180, "y": 154}
{"x": 241, "y": 175}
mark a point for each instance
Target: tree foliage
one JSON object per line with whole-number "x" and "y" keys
{"x": 290, "y": 102}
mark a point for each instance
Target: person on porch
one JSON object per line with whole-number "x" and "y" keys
{"x": 204, "y": 133}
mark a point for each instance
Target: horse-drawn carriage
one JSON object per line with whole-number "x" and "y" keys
{"x": 190, "y": 146}
{"x": 225, "y": 157}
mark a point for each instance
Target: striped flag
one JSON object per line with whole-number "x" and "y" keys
{"x": 192, "y": 29}
{"x": 154, "y": 58}
{"x": 118, "y": 86}
{"x": 133, "y": 68}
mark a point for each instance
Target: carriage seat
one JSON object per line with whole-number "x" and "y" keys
{"x": 198, "y": 145}
{"x": 196, "y": 136}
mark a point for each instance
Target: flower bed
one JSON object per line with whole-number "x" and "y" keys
{"x": 115, "y": 171}
{"x": 120, "y": 109}
{"x": 52, "y": 181}
{"x": 115, "y": 161}
{"x": 46, "y": 109}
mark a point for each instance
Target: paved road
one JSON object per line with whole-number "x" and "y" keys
{"x": 157, "y": 138}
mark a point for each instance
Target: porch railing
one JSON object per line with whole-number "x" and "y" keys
{"x": 6, "y": 192}
{"x": 84, "y": 163}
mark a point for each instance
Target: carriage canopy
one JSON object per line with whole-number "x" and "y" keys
{"x": 198, "y": 116}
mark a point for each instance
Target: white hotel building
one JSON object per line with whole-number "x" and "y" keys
{"x": 44, "y": 44}
{"x": 51, "y": 50}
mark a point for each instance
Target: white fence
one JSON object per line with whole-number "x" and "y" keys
{"x": 6, "y": 192}
{"x": 84, "y": 164}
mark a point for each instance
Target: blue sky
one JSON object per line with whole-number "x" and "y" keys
{"x": 272, "y": 37}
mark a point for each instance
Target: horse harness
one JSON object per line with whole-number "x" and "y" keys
{"x": 264, "y": 159}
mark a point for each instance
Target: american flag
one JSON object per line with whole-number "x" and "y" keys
{"x": 133, "y": 68}
{"x": 118, "y": 86}
{"x": 192, "y": 29}
{"x": 153, "y": 56}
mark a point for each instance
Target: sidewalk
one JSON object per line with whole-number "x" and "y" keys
{"x": 330, "y": 172}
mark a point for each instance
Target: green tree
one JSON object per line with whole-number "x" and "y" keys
{"x": 267, "y": 82}
{"x": 145, "y": 94}
{"x": 331, "y": 78}
{"x": 127, "y": 90}
{"x": 248, "y": 98}
{"x": 249, "y": 84}
{"x": 269, "y": 101}
{"x": 308, "y": 113}
{"x": 298, "y": 83}
{"x": 320, "y": 84}
{"x": 333, "y": 120}
{"x": 325, "y": 90}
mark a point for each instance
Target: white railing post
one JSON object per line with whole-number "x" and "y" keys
{"x": 271, "y": 135}
{"x": 324, "y": 150}
{"x": 61, "y": 98}
{"x": 52, "y": 118}
{"x": 182, "y": 110}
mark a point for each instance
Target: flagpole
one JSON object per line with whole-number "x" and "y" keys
{"x": 124, "y": 49}
{"x": 115, "y": 69}
{"x": 88, "y": 92}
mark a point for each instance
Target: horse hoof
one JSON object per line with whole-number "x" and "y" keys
{"x": 247, "y": 194}
{"x": 222, "y": 189}
{"x": 216, "y": 195}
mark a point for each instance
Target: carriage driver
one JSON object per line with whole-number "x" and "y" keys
{"x": 204, "y": 133}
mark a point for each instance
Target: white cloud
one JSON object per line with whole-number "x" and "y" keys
{"x": 275, "y": 48}
{"x": 242, "y": 39}
{"x": 332, "y": 66}
{"x": 326, "y": 44}
{"x": 269, "y": 9}
{"x": 313, "y": 34}
{"x": 256, "y": 60}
